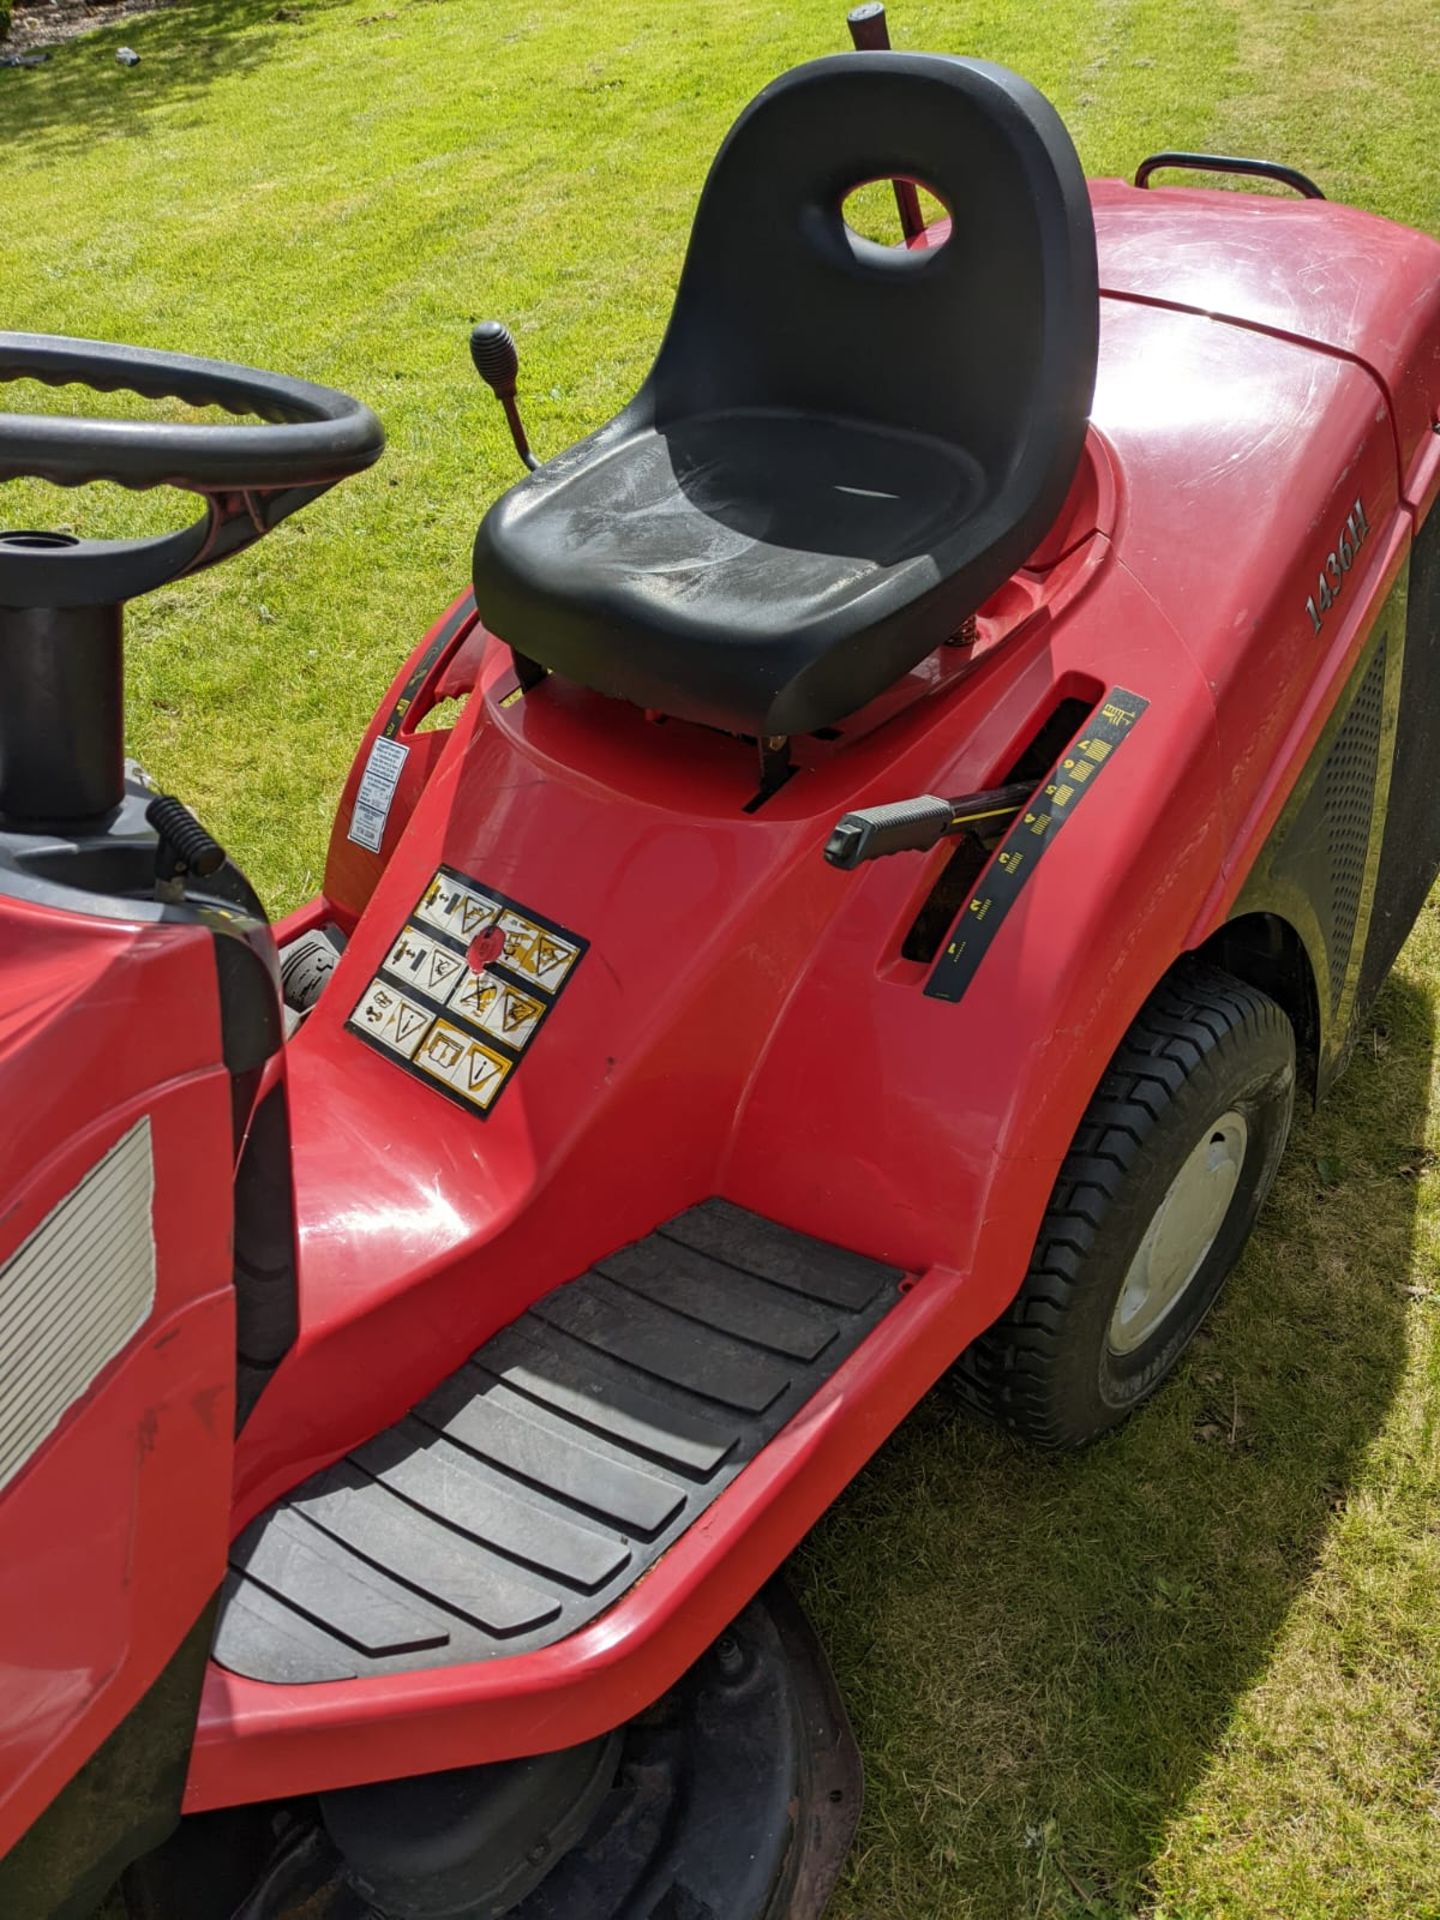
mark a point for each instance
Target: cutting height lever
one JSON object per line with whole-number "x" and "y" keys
{"x": 492, "y": 348}
{"x": 914, "y": 826}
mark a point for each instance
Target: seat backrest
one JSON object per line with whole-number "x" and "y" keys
{"x": 988, "y": 341}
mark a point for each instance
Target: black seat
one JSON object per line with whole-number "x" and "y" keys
{"x": 842, "y": 449}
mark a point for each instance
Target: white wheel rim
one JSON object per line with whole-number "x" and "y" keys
{"x": 1181, "y": 1234}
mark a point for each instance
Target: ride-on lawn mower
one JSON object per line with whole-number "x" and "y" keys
{"x": 933, "y": 777}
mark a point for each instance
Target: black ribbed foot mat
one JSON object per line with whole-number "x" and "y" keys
{"x": 543, "y": 1478}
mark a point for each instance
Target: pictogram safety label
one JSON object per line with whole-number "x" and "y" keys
{"x": 464, "y": 1030}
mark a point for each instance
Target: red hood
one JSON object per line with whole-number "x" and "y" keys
{"x": 1340, "y": 279}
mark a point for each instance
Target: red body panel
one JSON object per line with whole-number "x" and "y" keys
{"x": 113, "y": 1534}
{"x": 744, "y": 1023}
{"x": 1334, "y": 277}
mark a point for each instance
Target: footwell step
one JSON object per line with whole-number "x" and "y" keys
{"x": 537, "y": 1483}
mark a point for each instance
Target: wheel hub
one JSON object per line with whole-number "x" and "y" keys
{"x": 1181, "y": 1234}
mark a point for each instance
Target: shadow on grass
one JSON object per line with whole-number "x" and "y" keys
{"x": 1042, "y": 1655}
{"x": 81, "y": 96}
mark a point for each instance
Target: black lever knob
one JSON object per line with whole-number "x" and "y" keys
{"x": 496, "y": 357}
{"x": 185, "y": 847}
{"x": 900, "y": 826}
{"x": 914, "y": 826}
{"x": 868, "y": 28}
{"x": 492, "y": 348}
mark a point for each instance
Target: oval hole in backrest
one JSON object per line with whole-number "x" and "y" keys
{"x": 870, "y": 213}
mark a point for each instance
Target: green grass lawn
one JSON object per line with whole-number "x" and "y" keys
{"x": 1195, "y": 1672}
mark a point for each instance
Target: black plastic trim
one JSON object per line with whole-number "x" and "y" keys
{"x": 1320, "y": 866}
{"x": 1229, "y": 163}
{"x": 1410, "y": 853}
{"x": 123, "y": 1801}
{"x": 448, "y": 630}
{"x": 267, "y": 1291}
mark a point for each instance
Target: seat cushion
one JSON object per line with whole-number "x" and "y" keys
{"x": 750, "y": 539}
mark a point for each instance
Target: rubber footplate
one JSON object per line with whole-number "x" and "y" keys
{"x": 543, "y": 1478}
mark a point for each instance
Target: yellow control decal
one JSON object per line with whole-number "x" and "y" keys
{"x": 1021, "y": 850}
{"x": 464, "y": 1029}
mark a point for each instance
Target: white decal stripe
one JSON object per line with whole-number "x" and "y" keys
{"x": 75, "y": 1295}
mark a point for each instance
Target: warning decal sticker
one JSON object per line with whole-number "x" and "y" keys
{"x": 1024, "y": 845}
{"x": 500, "y": 1009}
{"x": 387, "y": 757}
{"x": 377, "y": 789}
{"x": 464, "y": 1029}
{"x": 536, "y": 953}
{"x": 473, "y": 1070}
{"x": 387, "y": 1016}
{"x": 456, "y": 908}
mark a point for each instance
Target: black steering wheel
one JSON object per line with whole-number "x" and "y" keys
{"x": 250, "y": 477}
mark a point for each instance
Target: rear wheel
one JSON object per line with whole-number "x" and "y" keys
{"x": 1155, "y": 1200}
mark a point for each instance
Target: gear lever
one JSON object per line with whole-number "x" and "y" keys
{"x": 497, "y": 361}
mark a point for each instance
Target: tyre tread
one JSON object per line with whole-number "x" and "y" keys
{"x": 1194, "y": 1016}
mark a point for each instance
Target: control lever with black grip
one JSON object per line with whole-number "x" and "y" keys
{"x": 914, "y": 826}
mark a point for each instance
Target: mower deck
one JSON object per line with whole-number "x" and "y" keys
{"x": 752, "y": 1741}
{"x": 541, "y": 1480}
